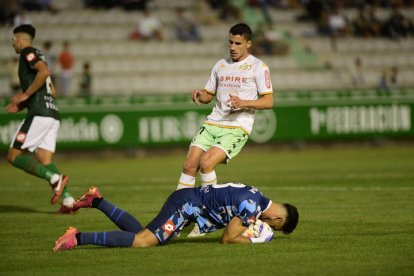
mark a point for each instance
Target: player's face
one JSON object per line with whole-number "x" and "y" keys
{"x": 16, "y": 41}
{"x": 238, "y": 46}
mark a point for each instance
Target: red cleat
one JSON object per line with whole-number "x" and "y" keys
{"x": 67, "y": 241}
{"x": 58, "y": 188}
{"x": 85, "y": 201}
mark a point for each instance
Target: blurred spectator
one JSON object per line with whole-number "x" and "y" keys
{"x": 263, "y": 5}
{"x": 140, "y": 5}
{"x": 148, "y": 28}
{"x": 50, "y": 59}
{"x": 389, "y": 79}
{"x": 356, "y": 71}
{"x": 39, "y": 5}
{"x": 66, "y": 62}
{"x": 230, "y": 10}
{"x": 86, "y": 80}
{"x": 186, "y": 29}
{"x": 338, "y": 26}
{"x": 367, "y": 24}
{"x": 21, "y": 18}
{"x": 398, "y": 26}
{"x": 12, "y": 67}
{"x": 205, "y": 13}
{"x": 269, "y": 42}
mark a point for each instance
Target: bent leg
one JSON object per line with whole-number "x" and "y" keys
{"x": 121, "y": 218}
{"x": 190, "y": 168}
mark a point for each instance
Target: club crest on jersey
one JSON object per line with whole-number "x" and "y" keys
{"x": 21, "y": 137}
{"x": 169, "y": 227}
{"x": 30, "y": 57}
{"x": 245, "y": 67}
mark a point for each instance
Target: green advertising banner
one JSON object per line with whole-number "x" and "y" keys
{"x": 151, "y": 120}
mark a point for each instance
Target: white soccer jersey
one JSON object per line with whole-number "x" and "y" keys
{"x": 246, "y": 79}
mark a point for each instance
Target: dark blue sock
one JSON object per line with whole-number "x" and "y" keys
{"x": 122, "y": 219}
{"x": 112, "y": 239}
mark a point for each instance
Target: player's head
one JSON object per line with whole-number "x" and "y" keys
{"x": 239, "y": 41}
{"x": 292, "y": 219}
{"x": 281, "y": 217}
{"x": 23, "y": 36}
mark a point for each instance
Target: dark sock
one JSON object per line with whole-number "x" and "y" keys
{"x": 112, "y": 239}
{"x": 122, "y": 219}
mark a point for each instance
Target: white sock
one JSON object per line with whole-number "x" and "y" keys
{"x": 54, "y": 179}
{"x": 208, "y": 178}
{"x": 186, "y": 181}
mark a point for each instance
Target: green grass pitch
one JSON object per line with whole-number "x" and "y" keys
{"x": 356, "y": 207}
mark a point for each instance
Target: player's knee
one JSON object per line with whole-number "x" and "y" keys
{"x": 190, "y": 168}
{"x": 10, "y": 158}
{"x": 206, "y": 164}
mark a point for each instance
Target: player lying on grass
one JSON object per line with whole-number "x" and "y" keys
{"x": 232, "y": 206}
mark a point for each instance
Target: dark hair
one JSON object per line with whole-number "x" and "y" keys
{"x": 25, "y": 28}
{"x": 242, "y": 29}
{"x": 291, "y": 220}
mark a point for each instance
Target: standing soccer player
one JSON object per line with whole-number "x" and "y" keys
{"x": 38, "y": 131}
{"x": 241, "y": 84}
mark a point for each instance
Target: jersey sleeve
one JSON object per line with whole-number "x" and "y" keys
{"x": 211, "y": 85}
{"x": 31, "y": 56}
{"x": 263, "y": 79}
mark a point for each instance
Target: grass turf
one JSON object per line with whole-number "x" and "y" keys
{"x": 356, "y": 215}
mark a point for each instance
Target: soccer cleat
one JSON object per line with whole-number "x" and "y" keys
{"x": 195, "y": 233}
{"x": 58, "y": 188}
{"x": 85, "y": 201}
{"x": 63, "y": 210}
{"x": 67, "y": 241}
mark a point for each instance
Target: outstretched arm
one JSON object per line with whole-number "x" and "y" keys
{"x": 234, "y": 232}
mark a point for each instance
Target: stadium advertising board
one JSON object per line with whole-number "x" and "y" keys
{"x": 142, "y": 121}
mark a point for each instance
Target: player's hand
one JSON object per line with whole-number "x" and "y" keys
{"x": 234, "y": 102}
{"x": 196, "y": 94}
{"x": 265, "y": 233}
{"x": 12, "y": 108}
{"x": 19, "y": 97}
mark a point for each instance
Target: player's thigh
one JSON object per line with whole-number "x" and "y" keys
{"x": 204, "y": 138}
{"x": 231, "y": 141}
{"x": 145, "y": 238}
{"x": 213, "y": 157}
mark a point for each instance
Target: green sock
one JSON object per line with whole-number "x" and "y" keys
{"x": 33, "y": 167}
{"x": 52, "y": 167}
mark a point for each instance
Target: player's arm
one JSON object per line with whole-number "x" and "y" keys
{"x": 263, "y": 102}
{"x": 38, "y": 82}
{"x": 233, "y": 233}
{"x": 202, "y": 96}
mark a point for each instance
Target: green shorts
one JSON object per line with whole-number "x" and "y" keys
{"x": 230, "y": 140}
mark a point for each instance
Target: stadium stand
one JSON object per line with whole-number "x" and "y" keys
{"x": 122, "y": 67}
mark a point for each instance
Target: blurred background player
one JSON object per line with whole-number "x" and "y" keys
{"x": 38, "y": 131}
{"x": 232, "y": 206}
{"x": 241, "y": 85}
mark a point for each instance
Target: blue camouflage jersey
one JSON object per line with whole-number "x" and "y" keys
{"x": 211, "y": 207}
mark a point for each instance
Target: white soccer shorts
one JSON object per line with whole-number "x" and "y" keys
{"x": 42, "y": 133}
